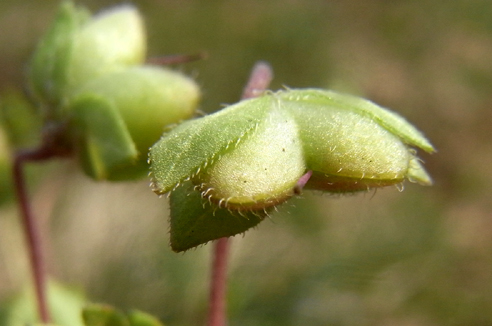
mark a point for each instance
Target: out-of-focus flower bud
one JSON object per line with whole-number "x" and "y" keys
{"x": 118, "y": 116}
{"x": 88, "y": 73}
{"x": 77, "y": 48}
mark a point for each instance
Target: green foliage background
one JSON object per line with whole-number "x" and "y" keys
{"x": 421, "y": 257}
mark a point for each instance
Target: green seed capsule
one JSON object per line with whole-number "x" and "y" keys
{"x": 257, "y": 153}
{"x": 350, "y": 144}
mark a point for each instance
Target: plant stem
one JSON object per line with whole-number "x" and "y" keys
{"x": 176, "y": 59}
{"x": 259, "y": 81}
{"x": 218, "y": 286}
{"x": 49, "y": 149}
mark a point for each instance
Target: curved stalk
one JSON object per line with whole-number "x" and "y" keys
{"x": 50, "y": 148}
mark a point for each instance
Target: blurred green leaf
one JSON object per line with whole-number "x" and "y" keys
{"x": 21, "y": 122}
{"x": 103, "y": 315}
{"x": 65, "y": 307}
{"x": 106, "y": 315}
{"x": 139, "y": 318}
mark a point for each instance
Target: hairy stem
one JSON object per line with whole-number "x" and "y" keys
{"x": 259, "y": 81}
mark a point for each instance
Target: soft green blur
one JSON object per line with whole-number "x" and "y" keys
{"x": 420, "y": 257}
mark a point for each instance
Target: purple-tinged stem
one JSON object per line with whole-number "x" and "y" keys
{"x": 176, "y": 59}
{"x": 218, "y": 286}
{"x": 50, "y": 148}
{"x": 259, "y": 81}
{"x": 31, "y": 230}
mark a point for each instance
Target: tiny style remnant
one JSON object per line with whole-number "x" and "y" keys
{"x": 88, "y": 74}
{"x": 252, "y": 156}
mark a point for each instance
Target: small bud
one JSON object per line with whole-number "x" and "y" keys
{"x": 118, "y": 116}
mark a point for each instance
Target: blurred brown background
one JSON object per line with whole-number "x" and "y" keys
{"x": 420, "y": 257}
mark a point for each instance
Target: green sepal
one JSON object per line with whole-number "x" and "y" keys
{"x": 105, "y": 145}
{"x": 352, "y": 144}
{"x": 194, "y": 221}
{"x": 193, "y": 145}
{"x": 18, "y": 117}
{"x": 417, "y": 173}
{"x": 48, "y": 66}
{"x": 103, "y": 315}
{"x": 326, "y": 100}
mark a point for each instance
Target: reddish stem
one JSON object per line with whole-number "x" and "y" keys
{"x": 176, "y": 59}
{"x": 218, "y": 286}
{"x": 259, "y": 81}
{"x": 31, "y": 230}
{"x": 50, "y": 148}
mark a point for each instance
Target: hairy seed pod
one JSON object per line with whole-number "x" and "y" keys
{"x": 226, "y": 171}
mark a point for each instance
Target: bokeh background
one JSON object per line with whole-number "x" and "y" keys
{"x": 418, "y": 257}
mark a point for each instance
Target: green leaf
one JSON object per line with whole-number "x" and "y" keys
{"x": 194, "y": 221}
{"x": 103, "y": 315}
{"x": 193, "y": 145}
{"x": 139, "y": 318}
{"x": 22, "y": 124}
{"x": 65, "y": 307}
